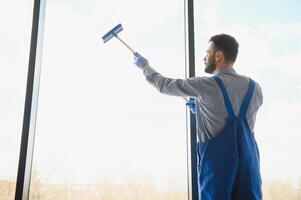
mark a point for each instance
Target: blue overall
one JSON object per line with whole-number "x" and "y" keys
{"x": 228, "y": 165}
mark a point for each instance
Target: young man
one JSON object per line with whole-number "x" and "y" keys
{"x": 225, "y": 106}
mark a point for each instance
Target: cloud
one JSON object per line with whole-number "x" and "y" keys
{"x": 135, "y": 15}
{"x": 277, "y": 132}
{"x": 206, "y": 14}
{"x": 289, "y": 64}
{"x": 264, "y": 48}
{"x": 15, "y": 29}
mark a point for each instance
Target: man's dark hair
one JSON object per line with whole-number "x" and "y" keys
{"x": 227, "y": 44}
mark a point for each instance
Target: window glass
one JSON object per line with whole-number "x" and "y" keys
{"x": 103, "y": 132}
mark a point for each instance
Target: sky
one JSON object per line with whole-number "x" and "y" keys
{"x": 97, "y": 115}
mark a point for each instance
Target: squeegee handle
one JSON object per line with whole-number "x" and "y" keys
{"x": 125, "y": 43}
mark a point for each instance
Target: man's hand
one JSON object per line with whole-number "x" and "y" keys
{"x": 191, "y": 104}
{"x": 140, "y": 61}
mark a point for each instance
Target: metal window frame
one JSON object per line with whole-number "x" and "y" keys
{"x": 32, "y": 92}
{"x": 31, "y": 101}
{"x": 191, "y": 118}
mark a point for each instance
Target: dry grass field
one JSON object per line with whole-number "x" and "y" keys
{"x": 109, "y": 190}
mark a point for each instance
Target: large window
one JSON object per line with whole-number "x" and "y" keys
{"x": 102, "y": 131}
{"x": 15, "y": 20}
{"x": 270, "y": 49}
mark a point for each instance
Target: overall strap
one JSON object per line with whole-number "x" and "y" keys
{"x": 245, "y": 105}
{"x": 227, "y": 101}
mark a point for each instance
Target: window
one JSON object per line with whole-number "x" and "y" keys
{"x": 102, "y": 130}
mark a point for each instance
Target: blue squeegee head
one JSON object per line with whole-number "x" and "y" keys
{"x": 112, "y": 33}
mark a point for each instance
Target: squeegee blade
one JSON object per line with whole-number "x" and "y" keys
{"x": 112, "y": 33}
{"x": 106, "y": 38}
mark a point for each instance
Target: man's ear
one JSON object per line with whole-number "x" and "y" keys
{"x": 218, "y": 55}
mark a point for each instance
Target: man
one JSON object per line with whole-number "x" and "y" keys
{"x": 225, "y": 107}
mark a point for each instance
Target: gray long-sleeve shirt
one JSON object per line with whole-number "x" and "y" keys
{"x": 211, "y": 113}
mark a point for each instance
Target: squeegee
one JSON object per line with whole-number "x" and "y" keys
{"x": 113, "y": 33}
